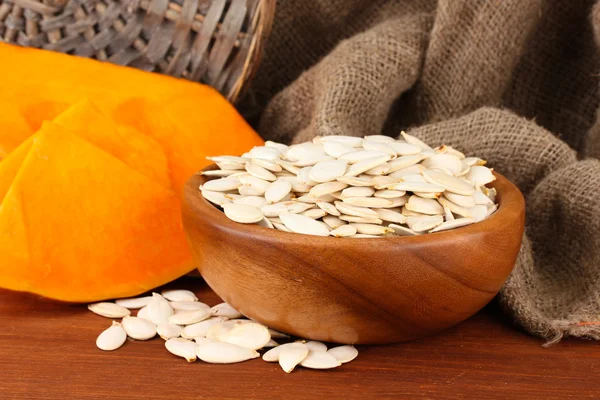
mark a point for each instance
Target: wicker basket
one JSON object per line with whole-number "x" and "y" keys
{"x": 217, "y": 42}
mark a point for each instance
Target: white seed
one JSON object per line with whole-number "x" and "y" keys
{"x": 448, "y": 182}
{"x": 424, "y": 206}
{"x": 349, "y": 140}
{"x": 301, "y": 224}
{"x": 134, "y": 303}
{"x": 218, "y": 198}
{"x": 452, "y": 224}
{"x": 253, "y": 185}
{"x": 358, "y": 211}
{"x": 112, "y": 338}
{"x": 429, "y": 195}
{"x": 480, "y": 175}
{"x": 281, "y": 227}
{"x": 408, "y": 213}
{"x": 277, "y": 191}
{"x": 254, "y": 201}
{"x": 271, "y": 343}
{"x": 282, "y": 148}
{"x": 218, "y": 330}
{"x": 314, "y": 213}
{"x": 250, "y": 190}
{"x": 337, "y": 149}
{"x": 201, "y": 328}
{"x": 320, "y": 360}
{"x": 265, "y": 223}
{"x": 189, "y": 317}
{"x": 179, "y": 295}
{"x": 404, "y": 162}
{"x": 365, "y": 165}
{"x": 182, "y": 348}
{"x": 425, "y": 223}
{"x": 379, "y": 138}
{"x": 326, "y": 188}
{"x": 402, "y": 231}
{"x": 143, "y": 313}
{"x": 360, "y": 220}
{"x": 292, "y": 355}
{"x": 373, "y": 202}
{"x": 413, "y": 140}
{"x": 269, "y": 165}
{"x": 343, "y": 231}
{"x": 390, "y": 216}
{"x": 229, "y": 166}
{"x": 360, "y": 191}
{"x": 218, "y": 172}
{"x": 260, "y": 172}
{"x": 250, "y": 335}
{"x": 416, "y": 187}
{"x": 414, "y": 177}
{"x": 389, "y": 194}
{"x": 168, "y": 331}
{"x": 328, "y": 208}
{"x": 278, "y": 335}
{"x": 463, "y": 201}
{"x": 357, "y": 181}
{"x": 480, "y": 199}
{"x": 109, "y": 310}
{"x": 455, "y": 208}
{"x": 304, "y": 151}
{"x": 448, "y": 216}
{"x": 444, "y": 162}
{"x": 413, "y": 169}
{"x": 159, "y": 309}
{"x": 313, "y": 345}
{"x": 224, "y": 353}
{"x": 189, "y": 305}
{"x": 264, "y": 152}
{"x": 470, "y": 161}
{"x": 362, "y": 155}
{"x": 479, "y": 212}
{"x": 273, "y": 354}
{"x": 374, "y": 145}
{"x": 327, "y": 171}
{"x": 290, "y": 207}
{"x": 404, "y": 148}
{"x": 333, "y": 221}
{"x": 202, "y": 340}
{"x": 308, "y": 162}
{"x": 344, "y": 354}
{"x": 222, "y": 185}
{"x": 229, "y": 159}
{"x": 139, "y": 328}
{"x": 372, "y": 229}
{"x": 242, "y": 213}
{"x": 226, "y": 310}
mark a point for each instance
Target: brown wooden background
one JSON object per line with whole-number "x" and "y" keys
{"x": 47, "y": 351}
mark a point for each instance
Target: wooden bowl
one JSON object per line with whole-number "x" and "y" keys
{"x": 355, "y": 290}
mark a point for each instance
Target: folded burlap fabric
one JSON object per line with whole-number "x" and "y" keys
{"x": 512, "y": 81}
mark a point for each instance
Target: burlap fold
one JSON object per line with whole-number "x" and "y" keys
{"x": 512, "y": 81}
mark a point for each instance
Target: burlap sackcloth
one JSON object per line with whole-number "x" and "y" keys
{"x": 512, "y": 81}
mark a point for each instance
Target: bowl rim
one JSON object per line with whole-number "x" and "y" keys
{"x": 510, "y": 200}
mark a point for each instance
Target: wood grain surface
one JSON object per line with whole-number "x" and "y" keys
{"x": 47, "y": 351}
{"x": 367, "y": 291}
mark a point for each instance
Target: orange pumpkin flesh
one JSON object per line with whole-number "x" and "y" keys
{"x": 90, "y": 204}
{"x": 81, "y": 225}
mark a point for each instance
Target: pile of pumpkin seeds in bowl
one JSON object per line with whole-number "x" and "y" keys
{"x": 346, "y": 186}
{"x": 220, "y": 334}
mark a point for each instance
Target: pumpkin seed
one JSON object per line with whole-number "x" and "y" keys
{"x": 380, "y": 170}
{"x": 402, "y": 231}
{"x": 218, "y": 198}
{"x": 328, "y": 208}
{"x": 380, "y": 182}
{"x": 290, "y": 207}
{"x": 454, "y": 208}
{"x": 445, "y": 162}
{"x": 292, "y": 355}
{"x": 463, "y": 201}
{"x": 281, "y": 227}
{"x": 226, "y": 310}
{"x": 278, "y": 335}
{"x": 222, "y": 185}
{"x": 112, "y": 338}
{"x": 424, "y": 206}
{"x": 271, "y": 343}
{"x": 413, "y": 140}
{"x": 312, "y": 161}
{"x": 379, "y": 138}
{"x": 259, "y": 172}
{"x": 425, "y": 223}
{"x": 373, "y": 202}
{"x": 326, "y": 188}
{"x": 254, "y": 201}
{"x": 281, "y": 148}
{"x": 404, "y": 162}
{"x": 480, "y": 175}
{"x": 344, "y": 354}
{"x": 168, "y": 331}
{"x": 109, "y": 310}
{"x": 448, "y": 182}
{"x": 258, "y": 185}
{"x": 250, "y": 335}
{"x": 390, "y": 216}
{"x": 182, "y": 348}
{"x": 336, "y": 149}
{"x": 189, "y": 317}
{"x": 356, "y": 181}
{"x": 224, "y": 353}
{"x": 360, "y": 220}
{"x": 416, "y": 187}
{"x": 343, "y": 231}
{"x": 242, "y": 213}
{"x": 361, "y": 191}
{"x": 139, "y": 328}
{"x": 314, "y": 213}
{"x": 135, "y": 302}
{"x": 333, "y": 221}
{"x": 349, "y": 140}
{"x": 326, "y": 171}
{"x": 389, "y": 194}
{"x": 269, "y": 165}
{"x": 179, "y": 295}
{"x": 273, "y": 354}
{"x": 429, "y": 195}
{"x": 374, "y": 145}
{"x": 277, "y": 191}
{"x": 365, "y": 165}
{"x": 358, "y": 211}
{"x": 202, "y": 340}
{"x": 189, "y": 305}
{"x": 301, "y": 224}
{"x": 320, "y": 360}
{"x": 264, "y": 152}
{"x": 372, "y": 229}
{"x": 201, "y": 328}
{"x": 143, "y": 313}
{"x": 478, "y": 213}
{"x": 404, "y": 148}
{"x": 478, "y": 198}
{"x": 218, "y": 172}
{"x": 452, "y": 224}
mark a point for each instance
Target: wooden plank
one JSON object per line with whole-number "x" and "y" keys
{"x": 47, "y": 350}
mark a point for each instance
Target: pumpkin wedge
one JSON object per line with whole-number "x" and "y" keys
{"x": 79, "y": 224}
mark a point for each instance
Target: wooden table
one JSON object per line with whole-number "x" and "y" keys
{"x": 47, "y": 351}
